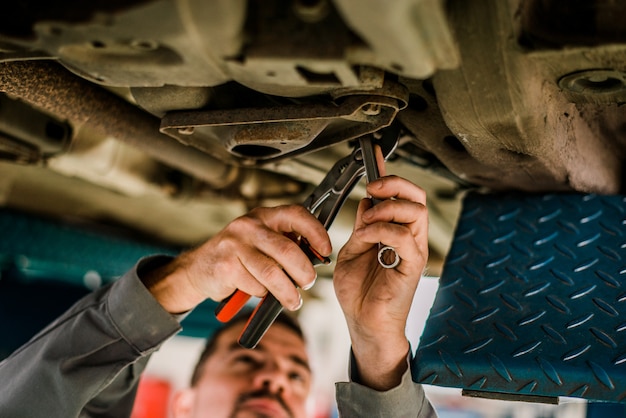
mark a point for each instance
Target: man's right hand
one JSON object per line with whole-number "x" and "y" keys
{"x": 249, "y": 254}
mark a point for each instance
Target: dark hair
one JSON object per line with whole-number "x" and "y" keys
{"x": 283, "y": 318}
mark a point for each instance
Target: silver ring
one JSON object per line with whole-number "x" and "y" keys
{"x": 381, "y": 260}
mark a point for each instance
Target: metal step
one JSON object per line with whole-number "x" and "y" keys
{"x": 532, "y": 300}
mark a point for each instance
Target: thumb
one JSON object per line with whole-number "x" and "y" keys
{"x": 355, "y": 247}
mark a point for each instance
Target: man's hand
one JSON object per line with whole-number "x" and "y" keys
{"x": 249, "y": 254}
{"x": 375, "y": 300}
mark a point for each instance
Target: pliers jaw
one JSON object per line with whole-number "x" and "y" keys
{"x": 329, "y": 196}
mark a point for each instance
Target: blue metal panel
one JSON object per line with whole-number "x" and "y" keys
{"x": 38, "y": 247}
{"x": 606, "y": 410}
{"x": 41, "y": 259}
{"x": 532, "y": 299}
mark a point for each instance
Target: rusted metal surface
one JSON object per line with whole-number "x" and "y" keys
{"x": 48, "y": 86}
{"x": 270, "y": 133}
{"x": 513, "y": 126}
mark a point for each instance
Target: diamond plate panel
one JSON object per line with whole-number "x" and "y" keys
{"x": 532, "y": 299}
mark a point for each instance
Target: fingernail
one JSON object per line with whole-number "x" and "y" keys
{"x": 300, "y": 302}
{"x": 310, "y": 285}
{"x": 378, "y": 183}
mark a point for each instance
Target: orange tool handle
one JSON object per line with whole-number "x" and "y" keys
{"x": 260, "y": 321}
{"x": 229, "y": 307}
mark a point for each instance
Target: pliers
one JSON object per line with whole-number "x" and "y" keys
{"x": 324, "y": 202}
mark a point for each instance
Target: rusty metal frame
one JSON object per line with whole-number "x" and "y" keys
{"x": 360, "y": 113}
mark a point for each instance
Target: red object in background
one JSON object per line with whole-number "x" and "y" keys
{"x": 152, "y": 399}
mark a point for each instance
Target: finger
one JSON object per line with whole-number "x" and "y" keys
{"x": 396, "y": 187}
{"x": 386, "y": 233}
{"x": 413, "y": 250}
{"x": 355, "y": 247}
{"x": 273, "y": 278}
{"x": 397, "y": 211}
{"x": 238, "y": 274}
{"x": 288, "y": 255}
{"x": 296, "y": 219}
{"x": 247, "y": 283}
{"x": 250, "y": 235}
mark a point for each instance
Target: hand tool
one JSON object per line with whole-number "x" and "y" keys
{"x": 324, "y": 202}
{"x": 387, "y": 255}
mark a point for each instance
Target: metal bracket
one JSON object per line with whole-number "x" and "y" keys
{"x": 271, "y": 133}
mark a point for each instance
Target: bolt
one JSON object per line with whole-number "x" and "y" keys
{"x": 597, "y": 78}
{"x": 599, "y": 82}
{"x": 311, "y": 11}
{"x": 371, "y": 109}
{"x": 186, "y": 130}
{"x": 144, "y": 45}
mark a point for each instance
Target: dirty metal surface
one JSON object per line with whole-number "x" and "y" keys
{"x": 532, "y": 299}
{"x": 266, "y": 133}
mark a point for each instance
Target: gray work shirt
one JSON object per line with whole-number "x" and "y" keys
{"x": 87, "y": 363}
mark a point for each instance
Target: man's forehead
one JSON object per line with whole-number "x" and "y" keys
{"x": 279, "y": 338}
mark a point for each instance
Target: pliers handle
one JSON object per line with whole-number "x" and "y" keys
{"x": 324, "y": 202}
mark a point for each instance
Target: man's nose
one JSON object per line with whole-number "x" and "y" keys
{"x": 273, "y": 378}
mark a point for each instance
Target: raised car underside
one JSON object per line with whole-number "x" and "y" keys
{"x": 167, "y": 118}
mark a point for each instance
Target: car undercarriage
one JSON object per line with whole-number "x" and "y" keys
{"x": 187, "y": 106}
{"x": 165, "y": 119}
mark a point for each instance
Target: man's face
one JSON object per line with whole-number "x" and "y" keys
{"x": 273, "y": 380}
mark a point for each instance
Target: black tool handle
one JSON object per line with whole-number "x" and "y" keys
{"x": 370, "y": 163}
{"x": 259, "y": 322}
{"x": 269, "y": 307}
{"x": 387, "y": 255}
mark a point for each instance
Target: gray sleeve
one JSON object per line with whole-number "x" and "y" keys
{"x": 88, "y": 361}
{"x": 407, "y": 400}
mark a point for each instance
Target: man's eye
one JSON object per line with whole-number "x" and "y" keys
{"x": 246, "y": 359}
{"x": 296, "y": 376}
